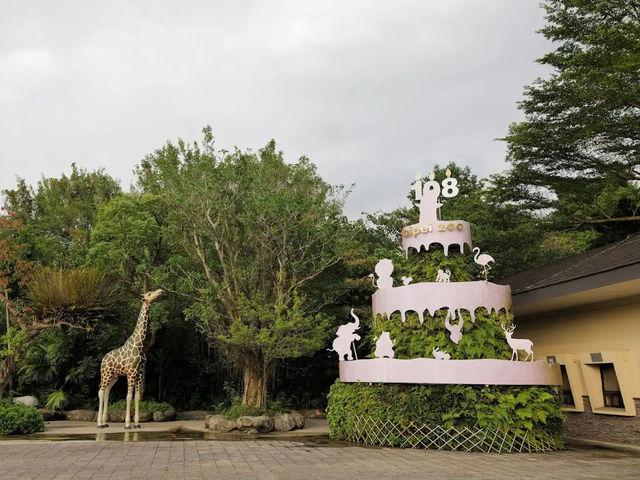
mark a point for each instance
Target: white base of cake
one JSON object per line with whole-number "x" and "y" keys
{"x": 465, "y": 372}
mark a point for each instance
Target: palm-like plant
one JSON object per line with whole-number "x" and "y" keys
{"x": 56, "y": 400}
{"x": 55, "y": 292}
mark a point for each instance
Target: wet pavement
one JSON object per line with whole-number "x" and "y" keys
{"x": 184, "y": 455}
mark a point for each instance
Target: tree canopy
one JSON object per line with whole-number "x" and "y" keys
{"x": 577, "y": 154}
{"x": 259, "y": 231}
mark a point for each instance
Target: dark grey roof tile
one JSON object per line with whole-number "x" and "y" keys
{"x": 601, "y": 259}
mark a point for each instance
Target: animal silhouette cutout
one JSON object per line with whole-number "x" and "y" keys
{"x": 455, "y": 330}
{"x": 384, "y": 269}
{"x": 518, "y": 344}
{"x": 443, "y": 276}
{"x": 406, "y": 280}
{"x": 440, "y": 355}
{"x": 345, "y": 337}
{"x": 483, "y": 260}
{"x": 128, "y": 360}
{"x": 384, "y": 346}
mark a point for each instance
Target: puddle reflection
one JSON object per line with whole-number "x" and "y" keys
{"x": 173, "y": 435}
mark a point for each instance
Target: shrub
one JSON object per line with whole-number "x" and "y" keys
{"x": 17, "y": 419}
{"x": 145, "y": 406}
{"x": 525, "y": 410}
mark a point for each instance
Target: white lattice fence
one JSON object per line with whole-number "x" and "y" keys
{"x": 388, "y": 433}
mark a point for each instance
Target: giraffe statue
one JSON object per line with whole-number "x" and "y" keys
{"x": 128, "y": 360}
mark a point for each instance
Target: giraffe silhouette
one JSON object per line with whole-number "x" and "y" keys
{"x": 128, "y": 360}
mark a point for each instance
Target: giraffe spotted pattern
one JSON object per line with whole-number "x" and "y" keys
{"x": 129, "y": 360}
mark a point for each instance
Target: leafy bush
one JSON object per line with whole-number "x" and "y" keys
{"x": 525, "y": 410}
{"x": 17, "y": 419}
{"x": 235, "y": 409}
{"x": 145, "y": 406}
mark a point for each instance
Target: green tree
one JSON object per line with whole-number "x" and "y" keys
{"x": 577, "y": 154}
{"x": 59, "y": 214}
{"x": 127, "y": 238}
{"x": 260, "y": 231}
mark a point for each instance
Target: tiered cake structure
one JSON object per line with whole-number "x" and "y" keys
{"x": 454, "y": 297}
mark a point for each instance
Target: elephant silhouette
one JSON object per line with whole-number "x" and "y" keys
{"x": 345, "y": 337}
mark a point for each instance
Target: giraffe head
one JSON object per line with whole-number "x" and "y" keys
{"x": 149, "y": 297}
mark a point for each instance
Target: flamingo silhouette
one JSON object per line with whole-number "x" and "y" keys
{"x": 483, "y": 260}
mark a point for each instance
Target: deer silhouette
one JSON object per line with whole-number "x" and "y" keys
{"x": 518, "y": 344}
{"x": 456, "y": 330}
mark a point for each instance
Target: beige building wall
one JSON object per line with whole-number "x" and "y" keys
{"x": 571, "y": 336}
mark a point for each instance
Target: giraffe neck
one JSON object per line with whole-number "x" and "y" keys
{"x": 140, "y": 332}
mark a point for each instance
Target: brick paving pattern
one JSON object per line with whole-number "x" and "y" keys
{"x": 270, "y": 460}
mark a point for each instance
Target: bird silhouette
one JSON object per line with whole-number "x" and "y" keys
{"x": 483, "y": 260}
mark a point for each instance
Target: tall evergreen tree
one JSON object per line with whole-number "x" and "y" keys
{"x": 578, "y": 151}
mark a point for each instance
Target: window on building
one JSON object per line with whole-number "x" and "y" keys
{"x": 567, "y": 396}
{"x": 610, "y": 387}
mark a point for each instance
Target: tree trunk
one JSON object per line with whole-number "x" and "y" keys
{"x": 255, "y": 387}
{"x": 6, "y": 370}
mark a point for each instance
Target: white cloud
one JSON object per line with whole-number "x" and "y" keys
{"x": 371, "y": 91}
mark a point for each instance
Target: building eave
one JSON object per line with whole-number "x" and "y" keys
{"x": 614, "y": 284}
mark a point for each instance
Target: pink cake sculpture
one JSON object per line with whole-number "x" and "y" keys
{"x": 430, "y": 229}
{"x": 454, "y": 297}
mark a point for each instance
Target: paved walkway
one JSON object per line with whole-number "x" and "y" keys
{"x": 87, "y": 430}
{"x": 293, "y": 459}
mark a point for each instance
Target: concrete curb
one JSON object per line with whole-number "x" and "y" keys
{"x": 622, "y": 447}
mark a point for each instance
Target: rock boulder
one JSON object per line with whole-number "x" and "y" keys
{"x": 221, "y": 424}
{"x": 117, "y": 415}
{"x": 27, "y": 400}
{"x": 261, "y": 424}
{"x": 165, "y": 415}
{"x": 50, "y": 414}
{"x": 192, "y": 415}
{"x": 299, "y": 419}
{"x": 283, "y": 422}
{"x": 80, "y": 415}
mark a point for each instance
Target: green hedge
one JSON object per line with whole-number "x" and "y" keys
{"x": 145, "y": 406}
{"x": 18, "y": 419}
{"x": 527, "y": 411}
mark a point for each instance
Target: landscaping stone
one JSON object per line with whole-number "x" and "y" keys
{"x": 144, "y": 416}
{"x": 165, "y": 415}
{"x": 27, "y": 400}
{"x": 209, "y": 418}
{"x": 80, "y": 415}
{"x": 193, "y": 415}
{"x": 298, "y": 418}
{"x": 118, "y": 415}
{"x": 283, "y": 422}
{"x": 262, "y": 423}
{"x": 50, "y": 414}
{"x": 221, "y": 424}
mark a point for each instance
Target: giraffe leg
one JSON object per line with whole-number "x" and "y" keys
{"x": 139, "y": 388}
{"x": 130, "y": 385}
{"x": 105, "y": 409}
{"x": 100, "y": 406}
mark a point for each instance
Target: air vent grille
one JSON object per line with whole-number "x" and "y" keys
{"x": 596, "y": 357}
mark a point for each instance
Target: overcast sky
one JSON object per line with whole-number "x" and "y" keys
{"x": 371, "y": 91}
